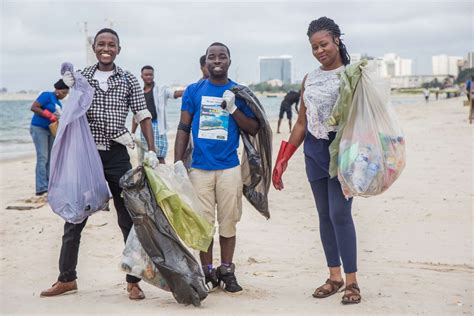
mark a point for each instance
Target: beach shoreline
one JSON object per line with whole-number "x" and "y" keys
{"x": 14, "y": 96}
{"x": 16, "y": 141}
{"x": 414, "y": 241}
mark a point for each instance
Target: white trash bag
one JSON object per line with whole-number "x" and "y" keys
{"x": 372, "y": 149}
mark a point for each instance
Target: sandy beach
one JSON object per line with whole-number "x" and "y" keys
{"x": 414, "y": 242}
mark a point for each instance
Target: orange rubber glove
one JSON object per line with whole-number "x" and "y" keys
{"x": 50, "y": 116}
{"x": 284, "y": 154}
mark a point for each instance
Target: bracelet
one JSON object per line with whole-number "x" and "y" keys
{"x": 185, "y": 128}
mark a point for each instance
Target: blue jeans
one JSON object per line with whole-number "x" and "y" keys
{"x": 43, "y": 140}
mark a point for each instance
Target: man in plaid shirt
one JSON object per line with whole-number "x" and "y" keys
{"x": 156, "y": 98}
{"x": 116, "y": 91}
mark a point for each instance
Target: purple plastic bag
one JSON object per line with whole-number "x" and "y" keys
{"x": 77, "y": 186}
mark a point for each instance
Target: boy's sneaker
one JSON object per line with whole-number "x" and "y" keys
{"x": 212, "y": 282}
{"x": 227, "y": 278}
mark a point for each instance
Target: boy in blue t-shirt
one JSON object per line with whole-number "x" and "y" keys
{"x": 214, "y": 117}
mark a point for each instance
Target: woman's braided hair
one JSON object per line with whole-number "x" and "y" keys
{"x": 327, "y": 24}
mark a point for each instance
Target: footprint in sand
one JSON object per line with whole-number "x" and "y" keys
{"x": 30, "y": 203}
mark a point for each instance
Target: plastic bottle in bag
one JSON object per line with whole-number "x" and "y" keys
{"x": 136, "y": 261}
{"x": 372, "y": 170}
{"x": 360, "y": 167}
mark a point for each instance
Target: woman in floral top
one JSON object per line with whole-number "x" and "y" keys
{"x": 319, "y": 91}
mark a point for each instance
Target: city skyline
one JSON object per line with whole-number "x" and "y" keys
{"x": 276, "y": 68}
{"x": 172, "y": 36}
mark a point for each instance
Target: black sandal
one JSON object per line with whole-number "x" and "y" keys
{"x": 322, "y": 292}
{"x": 354, "y": 292}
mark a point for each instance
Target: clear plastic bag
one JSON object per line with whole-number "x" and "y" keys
{"x": 175, "y": 195}
{"x": 372, "y": 149}
{"x": 135, "y": 261}
{"x": 77, "y": 185}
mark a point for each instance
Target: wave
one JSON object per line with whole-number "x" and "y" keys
{"x": 16, "y": 141}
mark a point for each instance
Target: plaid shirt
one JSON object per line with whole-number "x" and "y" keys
{"x": 109, "y": 109}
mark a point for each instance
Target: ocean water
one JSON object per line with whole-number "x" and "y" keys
{"x": 15, "y": 119}
{"x": 15, "y": 138}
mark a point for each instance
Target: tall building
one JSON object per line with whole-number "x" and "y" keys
{"x": 391, "y": 65}
{"x": 446, "y": 65}
{"x": 470, "y": 60}
{"x": 279, "y": 67}
{"x": 405, "y": 67}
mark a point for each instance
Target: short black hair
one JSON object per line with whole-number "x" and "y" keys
{"x": 147, "y": 67}
{"x": 218, "y": 44}
{"x": 107, "y": 30}
{"x": 60, "y": 85}
{"x": 202, "y": 60}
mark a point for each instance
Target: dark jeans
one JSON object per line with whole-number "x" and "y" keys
{"x": 116, "y": 163}
{"x": 335, "y": 224}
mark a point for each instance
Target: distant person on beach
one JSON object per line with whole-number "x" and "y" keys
{"x": 156, "y": 98}
{"x": 292, "y": 97}
{"x": 320, "y": 90}
{"x": 47, "y": 109}
{"x": 204, "y": 71}
{"x": 426, "y": 93}
{"x": 216, "y": 174}
{"x": 470, "y": 97}
{"x": 437, "y": 93}
{"x": 116, "y": 92}
{"x": 469, "y": 92}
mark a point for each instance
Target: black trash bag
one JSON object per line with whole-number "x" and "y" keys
{"x": 188, "y": 154}
{"x": 176, "y": 264}
{"x": 256, "y": 162}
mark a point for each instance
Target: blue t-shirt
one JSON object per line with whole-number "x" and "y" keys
{"x": 468, "y": 87}
{"x": 215, "y": 132}
{"x": 48, "y": 101}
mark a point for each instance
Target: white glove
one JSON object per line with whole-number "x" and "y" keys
{"x": 180, "y": 169}
{"x": 150, "y": 159}
{"x": 229, "y": 101}
{"x": 68, "y": 79}
{"x": 58, "y": 112}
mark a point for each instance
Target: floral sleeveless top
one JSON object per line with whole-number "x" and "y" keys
{"x": 320, "y": 95}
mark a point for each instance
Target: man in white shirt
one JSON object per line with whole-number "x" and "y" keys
{"x": 426, "y": 93}
{"x": 156, "y": 101}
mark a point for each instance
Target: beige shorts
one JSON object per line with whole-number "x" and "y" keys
{"x": 224, "y": 189}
